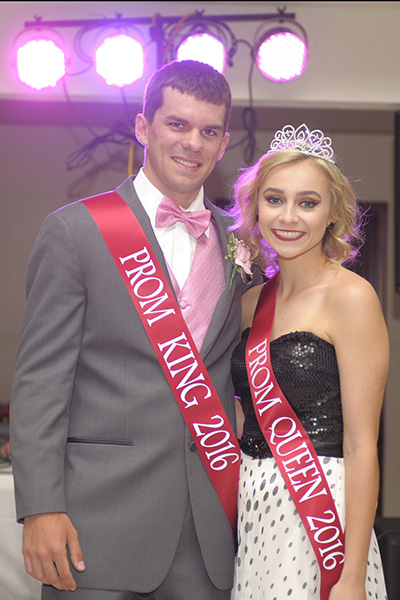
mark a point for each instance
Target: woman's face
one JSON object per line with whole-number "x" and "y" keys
{"x": 294, "y": 208}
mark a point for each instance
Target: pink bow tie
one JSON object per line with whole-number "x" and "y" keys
{"x": 168, "y": 213}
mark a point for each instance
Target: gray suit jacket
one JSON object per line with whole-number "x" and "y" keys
{"x": 95, "y": 429}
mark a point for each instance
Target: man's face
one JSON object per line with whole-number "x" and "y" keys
{"x": 183, "y": 144}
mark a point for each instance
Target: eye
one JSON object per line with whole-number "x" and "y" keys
{"x": 273, "y": 200}
{"x": 176, "y": 125}
{"x": 210, "y": 132}
{"x": 308, "y": 203}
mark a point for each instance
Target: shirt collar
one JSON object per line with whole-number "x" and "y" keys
{"x": 151, "y": 197}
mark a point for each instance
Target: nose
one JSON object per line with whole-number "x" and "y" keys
{"x": 288, "y": 213}
{"x": 193, "y": 141}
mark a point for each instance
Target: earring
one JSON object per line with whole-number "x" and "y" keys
{"x": 331, "y": 226}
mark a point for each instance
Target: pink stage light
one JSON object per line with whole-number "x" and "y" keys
{"x": 205, "y": 48}
{"x": 120, "y": 60}
{"x": 282, "y": 56}
{"x": 40, "y": 64}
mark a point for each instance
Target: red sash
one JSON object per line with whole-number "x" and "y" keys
{"x": 292, "y": 448}
{"x": 175, "y": 349}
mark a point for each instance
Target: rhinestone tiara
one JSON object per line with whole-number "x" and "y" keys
{"x": 309, "y": 142}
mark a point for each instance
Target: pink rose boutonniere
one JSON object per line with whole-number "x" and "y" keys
{"x": 239, "y": 254}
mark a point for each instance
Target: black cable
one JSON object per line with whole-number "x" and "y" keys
{"x": 120, "y": 134}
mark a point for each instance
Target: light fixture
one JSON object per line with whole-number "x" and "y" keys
{"x": 203, "y": 47}
{"x": 198, "y": 37}
{"x": 120, "y": 60}
{"x": 281, "y": 54}
{"x": 120, "y": 52}
{"x": 40, "y": 59}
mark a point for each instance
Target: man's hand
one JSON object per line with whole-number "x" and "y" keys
{"x": 5, "y": 451}
{"x": 45, "y": 541}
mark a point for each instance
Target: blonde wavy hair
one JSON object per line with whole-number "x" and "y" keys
{"x": 340, "y": 244}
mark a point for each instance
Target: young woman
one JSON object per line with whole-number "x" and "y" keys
{"x": 308, "y": 490}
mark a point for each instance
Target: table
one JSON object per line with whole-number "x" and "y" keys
{"x": 15, "y": 584}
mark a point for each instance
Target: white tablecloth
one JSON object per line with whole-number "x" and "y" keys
{"x": 15, "y": 584}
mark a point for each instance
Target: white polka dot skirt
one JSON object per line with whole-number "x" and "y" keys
{"x": 275, "y": 558}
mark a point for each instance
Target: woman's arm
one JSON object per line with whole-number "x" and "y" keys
{"x": 362, "y": 347}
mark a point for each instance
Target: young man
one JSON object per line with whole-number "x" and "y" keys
{"x": 115, "y": 497}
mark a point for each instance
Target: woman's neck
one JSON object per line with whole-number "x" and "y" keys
{"x": 303, "y": 272}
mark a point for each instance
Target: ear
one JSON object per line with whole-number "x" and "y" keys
{"x": 141, "y": 126}
{"x": 331, "y": 220}
{"x": 223, "y": 145}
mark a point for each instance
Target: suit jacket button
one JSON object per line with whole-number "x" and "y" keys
{"x": 192, "y": 446}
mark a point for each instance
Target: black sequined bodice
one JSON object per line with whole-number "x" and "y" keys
{"x": 306, "y": 370}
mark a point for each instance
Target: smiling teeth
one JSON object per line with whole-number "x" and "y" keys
{"x": 186, "y": 163}
{"x": 290, "y": 235}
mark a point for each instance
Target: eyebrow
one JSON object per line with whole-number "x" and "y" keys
{"x": 185, "y": 121}
{"x": 302, "y": 193}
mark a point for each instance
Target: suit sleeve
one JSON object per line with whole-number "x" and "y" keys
{"x": 46, "y": 363}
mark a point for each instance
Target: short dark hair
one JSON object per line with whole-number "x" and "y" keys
{"x": 188, "y": 77}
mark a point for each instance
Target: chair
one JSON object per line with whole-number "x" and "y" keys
{"x": 387, "y": 531}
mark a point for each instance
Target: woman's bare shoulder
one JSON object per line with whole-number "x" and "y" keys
{"x": 351, "y": 291}
{"x": 353, "y": 304}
